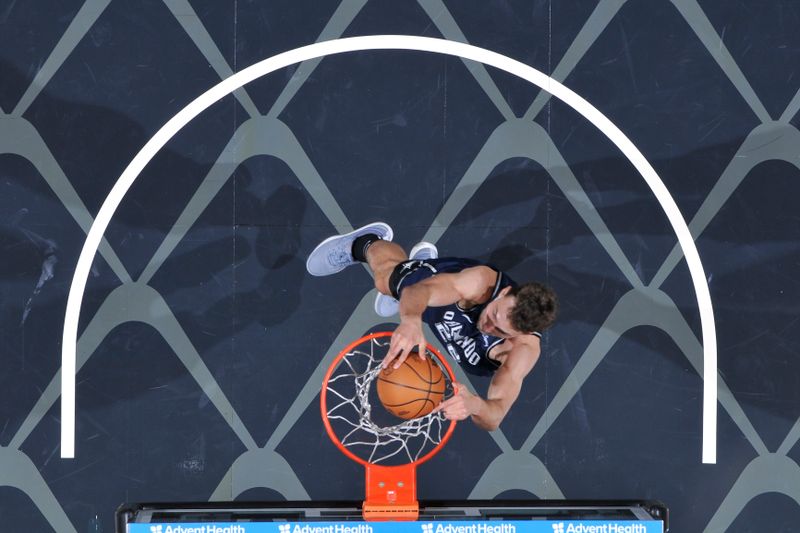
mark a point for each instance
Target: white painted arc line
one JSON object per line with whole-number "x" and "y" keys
{"x": 387, "y": 42}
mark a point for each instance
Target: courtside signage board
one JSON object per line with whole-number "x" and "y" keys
{"x": 527, "y": 526}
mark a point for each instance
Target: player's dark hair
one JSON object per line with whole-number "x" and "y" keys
{"x": 536, "y": 307}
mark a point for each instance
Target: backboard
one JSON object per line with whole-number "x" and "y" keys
{"x": 495, "y": 516}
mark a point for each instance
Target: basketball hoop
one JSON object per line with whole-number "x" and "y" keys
{"x": 390, "y": 452}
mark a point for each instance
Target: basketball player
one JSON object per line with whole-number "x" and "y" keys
{"x": 488, "y": 323}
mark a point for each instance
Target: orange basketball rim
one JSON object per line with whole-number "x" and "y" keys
{"x": 390, "y": 489}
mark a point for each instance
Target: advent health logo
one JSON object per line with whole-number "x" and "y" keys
{"x": 204, "y": 528}
{"x": 328, "y": 528}
{"x": 599, "y": 528}
{"x": 479, "y": 527}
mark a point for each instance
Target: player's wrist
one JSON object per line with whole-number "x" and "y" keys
{"x": 484, "y": 414}
{"x": 411, "y": 318}
{"x": 477, "y": 406}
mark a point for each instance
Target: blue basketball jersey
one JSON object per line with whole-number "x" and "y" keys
{"x": 455, "y": 327}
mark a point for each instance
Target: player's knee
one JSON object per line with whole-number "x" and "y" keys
{"x": 382, "y": 284}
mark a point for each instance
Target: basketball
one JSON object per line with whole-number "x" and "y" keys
{"x": 412, "y": 390}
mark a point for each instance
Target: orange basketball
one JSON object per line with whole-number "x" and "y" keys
{"x": 412, "y": 390}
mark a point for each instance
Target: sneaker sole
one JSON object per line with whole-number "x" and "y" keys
{"x": 421, "y": 246}
{"x": 389, "y": 235}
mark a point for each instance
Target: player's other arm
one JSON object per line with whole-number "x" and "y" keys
{"x": 505, "y": 386}
{"x": 503, "y": 390}
{"x": 436, "y": 291}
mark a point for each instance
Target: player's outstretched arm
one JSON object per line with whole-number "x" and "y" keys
{"x": 503, "y": 391}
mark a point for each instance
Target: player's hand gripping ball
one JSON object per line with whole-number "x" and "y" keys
{"x": 414, "y": 389}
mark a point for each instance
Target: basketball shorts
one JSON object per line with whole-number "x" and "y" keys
{"x": 410, "y": 272}
{"x": 413, "y": 271}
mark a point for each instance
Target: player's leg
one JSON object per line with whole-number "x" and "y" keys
{"x": 371, "y": 244}
{"x": 385, "y": 304}
{"x": 382, "y": 257}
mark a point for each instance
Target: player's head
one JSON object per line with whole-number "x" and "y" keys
{"x": 519, "y": 310}
{"x": 535, "y": 308}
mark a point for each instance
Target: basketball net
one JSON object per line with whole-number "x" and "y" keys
{"x": 348, "y": 417}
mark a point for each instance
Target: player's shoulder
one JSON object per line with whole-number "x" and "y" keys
{"x": 518, "y": 356}
{"x": 525, "y": 347}
{"x": 526, "y": 342}
{"x": 476, "y": 283}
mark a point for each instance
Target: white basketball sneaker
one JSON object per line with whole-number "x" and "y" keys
{"x": 387, "y": 306}
{"x": 335, "y": 253}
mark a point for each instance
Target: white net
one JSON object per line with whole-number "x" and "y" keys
{"x": 350, "y": 411}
